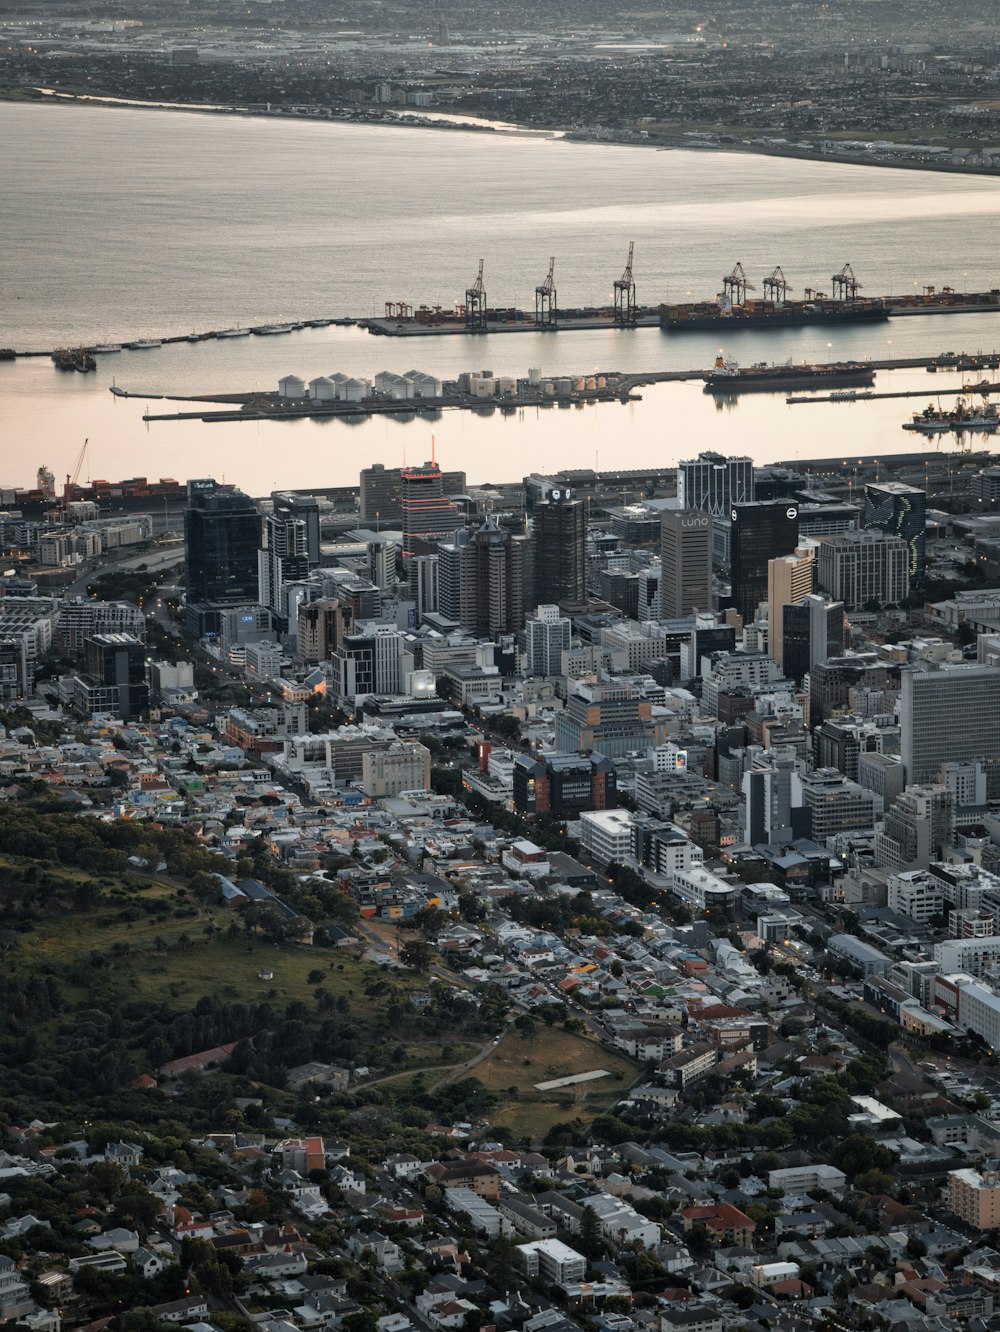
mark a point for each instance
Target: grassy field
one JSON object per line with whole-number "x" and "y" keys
{"x": 517, "y": 1064}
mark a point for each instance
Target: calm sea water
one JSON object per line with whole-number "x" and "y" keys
{"x": 123, "y": 223}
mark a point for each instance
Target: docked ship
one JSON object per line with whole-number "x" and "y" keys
{"x": 734, "y": 309}
{"x": 728, "y": 376}
{"x": 74, "y": 358}
{"x": 933, "y": 421}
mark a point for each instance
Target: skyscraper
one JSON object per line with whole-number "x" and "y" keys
{"x": 546, "y": 638}
{"x": 481, "y": 580}
{"x": 901, "y": 511}
{"x": 789, "y": 579}
{"x": 811, "y": 631}
{"x": 714, "y": 483}
{"x": 117, "y": 663}
{"x": 918, "y": 825}
{"x": 381, "y": 494}
{"x": 283, "y": 559}
{"x": 289, "y": 506}
{"x": 947, "y": 715}
{"x": 559, "y": 541}
{"x": 685, "y": 563}
{"x": 859, "y": 568}
{"x": 427, "y": 513}
{"x": 221, "y": 538}
{"x": 761, "y": 532}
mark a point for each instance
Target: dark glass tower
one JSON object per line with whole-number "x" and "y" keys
{"x": 221, "y": 539}
{"x": 559, "y": 541}
{"x": 761, "y": 531}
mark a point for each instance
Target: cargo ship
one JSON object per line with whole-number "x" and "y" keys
{"x": 714, "y": 316}
{"x": 728, "y": 376}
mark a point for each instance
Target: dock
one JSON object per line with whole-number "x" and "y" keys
{"x": 867, "y": 395}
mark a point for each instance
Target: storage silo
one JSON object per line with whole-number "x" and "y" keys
{"x": 292, "y": 386}
{"x": 322, "y": 389}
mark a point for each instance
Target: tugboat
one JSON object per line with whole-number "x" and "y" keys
{"x": 933, "y": 421}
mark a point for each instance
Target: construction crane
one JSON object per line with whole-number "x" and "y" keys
{"x": 736, "y": 286}
{"x": 625, "y": 292}
{"x": 776, "y": 289}
{"x": 546, "y": 309}
{"x": 72, "y": 477}
{"x": 475, "y": 304}
{"x": 845, "y": 285}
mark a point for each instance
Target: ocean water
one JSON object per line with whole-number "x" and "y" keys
{"x": 121, "y": 223}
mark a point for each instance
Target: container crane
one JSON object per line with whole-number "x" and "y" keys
{"x": 475, "y": 304}
{"x": 735, "y": 286}
{"x": 72, "y": 477}
{"x": 546, "y": 309}
{"x": 776, "y": 289}
{"x": 625, "y": 292}
{"x": 845, "y": 285}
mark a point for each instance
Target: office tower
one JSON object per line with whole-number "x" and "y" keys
{"x": 811, "y": 631}
{"x": 831, "y": 682}
{"x": 840, "y": 743}
{"x": 546, "y": 638}
{"x": 883, "y": 774}
{"x": 761, "y": 531}
{"x": 291, "y": 507}
{"x": 770, "y": 792}
{"x": 836, "y": 804}
{"x": 283, "y": 559}
{"x": 481, "y": 580}
{"x": 381, "y": 494}
{"x": 900, "y": 511}
{"x": 564, "y": 785}
{"x": 382, "y": 562}
{"x": 611, "y": 719}
{"x": 116, "y": 663}
{"x": 559, "y": 541}
{"x": 685, "y": 563}
{"x": 221, "y": 539}
{"x": 423, "y": 579}
{"x": 713, "y": 483}
{"x": 427, "y": 514}
{"x": 947, "y": 715}
{"x": 789, "y": 579}
{"x": 321, "y": 628}
{"x": 865, "y": 568}
{"x": 372, "y": 661}
{"x": 918, "y": 826}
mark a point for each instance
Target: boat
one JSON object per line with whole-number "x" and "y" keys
{"x": 848, "y": 395}
{"x": 106, "y": 348}
{"x": 74, "y": 358}
{"x": 722, "y": 314}
{"x": 728, "y": 376}
{"x": 234, "y": 333}
{"x": 933, "y": 421}
{"x": 7, "y": 354}
{"x": 269, "y": 330}
{"x": 318, "y": 323}
{"x": 143, "y": 344}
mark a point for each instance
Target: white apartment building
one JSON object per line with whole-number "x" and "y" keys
{"x": 552, "y": 1259}
{"x": 606, "y": 835}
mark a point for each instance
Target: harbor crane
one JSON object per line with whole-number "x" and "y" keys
{"x": 475, "y": 304}
{"x": 546, "y": 309}
{"x": 625, "y": 293}
{"x": 73, "y": 477}
{"x": 845, "y": 285}
{"x": 736, "y": 285}
{"x": 776, "y": 289}
{"x": 399, "y": 310}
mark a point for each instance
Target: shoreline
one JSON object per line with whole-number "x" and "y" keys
{"x": 476, "y": 125}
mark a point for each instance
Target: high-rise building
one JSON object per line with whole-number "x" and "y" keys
{"x": 901, "y": 511}
{"x": 714, "y": 483}
{"x": 321, "y": 627}
{"x": 761, "y": 532}
{"x": 546, "y": 638}
{"x": 372, "y": 661}
{"x": 221, "y": 539}
{"x": 918, "y": 826}
{"x": 423, "y": 580}
{"x": 427, "y": 513}
{"x": 289, "y": 506}
{"x": 789, "y": 579}
{"x": 685, "y": 563}
{"x": 611, "y": 719}
{"x": 947, "y": 715}
{"x": 831, "y": 682}
{"x": 381, "y": 494}
{"x": 859, "y": 568}
{"x": 811, "y": 631}
{"x": 559, "y": 541}
{"x": 117, "y": 663}
{"x": 283, "y": 559}
{"x": 481, "y": 579}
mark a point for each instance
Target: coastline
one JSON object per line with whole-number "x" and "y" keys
{"x": 455, "y": 122}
